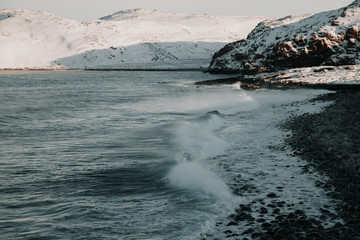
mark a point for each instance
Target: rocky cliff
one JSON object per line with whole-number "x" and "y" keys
{"x": 328, "y": 38}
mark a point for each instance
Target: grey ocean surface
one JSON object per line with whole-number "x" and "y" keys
{"x": 131, "y": 155}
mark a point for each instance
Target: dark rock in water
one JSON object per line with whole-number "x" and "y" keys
{"x": 270, "y": 205}
{"x": 263, "y": 210}
{"x": 215, "y": 112}
{"x": 261, "y": 220}
{"x": 266, "y": 225}
{"x": 248, "y": 231}
{"x": 315, "y": 235}
{"x": 219, "y": 81}
{"x": 282, "y": 233}
{"x": 328, "y": 38}
{"x": 245, "y": 207}
{"x": 187, "y": 156}
{"x": 290, "y": 216}
{"x": 292, "y": 237}
{"x": 303, "y": 223}
{"x": 232, "y": 224}
{"x": 266, "y": 237}
{"x": 272, "y": 195}
{"x": 276, "y": 211}
{"x": 244, "y": 217}
{"x": 256, "y": 235}
{"x": 299, "y": 212}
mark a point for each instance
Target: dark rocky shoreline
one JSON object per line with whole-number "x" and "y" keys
{"x": 329, "y": 141}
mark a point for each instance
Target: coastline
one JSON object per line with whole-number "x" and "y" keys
{"x": 326, "y": 143}
{"x": 330, "y": 142}
{"x": 339, "y": 121}
{"x": 106, "y": 69}
{"x": 260, "y": 82}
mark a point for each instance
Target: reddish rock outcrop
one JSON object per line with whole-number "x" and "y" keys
{"x": 328, "y": 38}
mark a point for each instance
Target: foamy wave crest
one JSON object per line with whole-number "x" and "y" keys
{"x": 197, "y": 141}
{"x": 224, "y": 102}
{"x": 194, "y": 176}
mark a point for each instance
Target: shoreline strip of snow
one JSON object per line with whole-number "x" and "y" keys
{"x": 325, "y": 77}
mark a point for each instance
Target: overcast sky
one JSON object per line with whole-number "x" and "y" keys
{"x": 91, "y": 9}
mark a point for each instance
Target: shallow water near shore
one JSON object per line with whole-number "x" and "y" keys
{"x": 141, "y": 155}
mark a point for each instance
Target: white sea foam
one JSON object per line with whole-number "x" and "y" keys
{"x": 194, "y": 176}
{"x": 219, "y": 99}
{"x": 196, "y": 142}
{"x": 198, "y": 139}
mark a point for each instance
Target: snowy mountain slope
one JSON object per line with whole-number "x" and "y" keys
{"x": 328, "y": 38}
{"x": 30, "y": 39}
{"x": 34, "y": 39}
{"x": 163, "y": 55}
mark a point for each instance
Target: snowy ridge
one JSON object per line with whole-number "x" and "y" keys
{"x": 134, "y": 38}
{"x": 328, "y": 38}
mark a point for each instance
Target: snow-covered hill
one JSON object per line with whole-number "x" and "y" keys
{"x": 134, "y": 38}
{"x": 328, "y": 38}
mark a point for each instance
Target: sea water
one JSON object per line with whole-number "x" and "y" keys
{"x": 138, "y": 155}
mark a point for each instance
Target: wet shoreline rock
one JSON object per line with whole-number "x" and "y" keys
{"x": 330, "y": 142}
